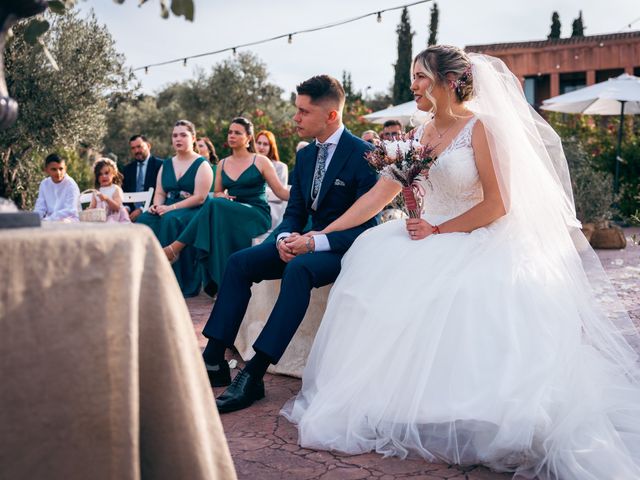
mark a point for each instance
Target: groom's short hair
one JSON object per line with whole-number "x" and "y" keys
{"x": 323, "y": 88}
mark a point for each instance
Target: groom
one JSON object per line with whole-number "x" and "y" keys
{"x": 330, "y": 175}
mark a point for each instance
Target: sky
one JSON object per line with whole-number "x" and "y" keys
{"x": 366, "y": 48}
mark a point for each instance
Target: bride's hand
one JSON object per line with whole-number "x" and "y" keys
{"x": 418, "y": 228}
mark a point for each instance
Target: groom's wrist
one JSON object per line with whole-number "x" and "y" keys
{"x": 321, "y": 243}
{"x": 311, "y": 245}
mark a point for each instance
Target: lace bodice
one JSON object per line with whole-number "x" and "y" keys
{"x": 453, "y": 186}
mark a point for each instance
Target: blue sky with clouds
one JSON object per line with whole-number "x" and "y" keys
{"x": 365, "y": 48}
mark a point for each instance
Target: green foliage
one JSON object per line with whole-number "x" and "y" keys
{"x": 433, "y": 25}
{"x": 592, "y": 189}
{"x": 350, "y": 93}
{"x": 58, "y": 108}
{"x": 34, "y": 29}
{"x": 577, "y": 27}
{"x": 353, "y": 117}
{"x": 599, "y": 135}
{"x": 402, "y": 68}
{"x": 555, "y": 27}
{"x": 379, "y": 101}
{"x": 233, "y": 87}
{"x": 238, "y": 86}
{"x": 79, "y": 167}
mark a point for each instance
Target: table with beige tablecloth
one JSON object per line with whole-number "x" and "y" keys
{"x": 100, "y": 374}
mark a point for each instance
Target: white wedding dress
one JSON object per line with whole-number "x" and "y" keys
{"x": 468, "y": 348}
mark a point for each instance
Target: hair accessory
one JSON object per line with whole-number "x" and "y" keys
{"x": 463, "y": 80}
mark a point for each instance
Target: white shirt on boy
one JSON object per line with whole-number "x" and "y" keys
{"x": 58, "y": 201}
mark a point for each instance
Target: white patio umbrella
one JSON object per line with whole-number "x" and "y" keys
{"x": 616, "y": 96}
{"x": 405, "y": 113}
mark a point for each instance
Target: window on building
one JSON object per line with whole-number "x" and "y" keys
{"x": 530, "y": 90}
{"x": 602, "y": 75}
{"x": 636, "y": 71}
{"x": 572, "y": 81}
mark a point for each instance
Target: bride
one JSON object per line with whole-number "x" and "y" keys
{"x": 485, "y": 331}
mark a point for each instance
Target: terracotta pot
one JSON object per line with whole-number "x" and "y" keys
{"x": 587, "y": 230}
{"x": 608, "y": 238}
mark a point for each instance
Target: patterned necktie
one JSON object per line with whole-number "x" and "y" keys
{"x": 140, "y": 178}
{"x": 139, "y": 183}
{"x": 318, "y": 175}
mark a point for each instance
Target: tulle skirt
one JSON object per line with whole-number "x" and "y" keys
{"x": 467, "y": 349}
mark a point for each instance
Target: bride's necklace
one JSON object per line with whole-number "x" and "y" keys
{"x": 440, "y": 135}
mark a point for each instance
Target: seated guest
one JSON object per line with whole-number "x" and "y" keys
{"x": 58, "y": 194}
{"x": 109, "y": 195}
{"x": 140, "y": 175}
{"x": 391, "y": 129}
{"x": 266, "y": 145}
{"x": 204, "y": 146}
{"x": 370, "y": 136}
{"x": 183, "y": 186}
{"x": 239, "y": 210}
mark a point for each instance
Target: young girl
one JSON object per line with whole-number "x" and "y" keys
{"x": 109, "y": 195}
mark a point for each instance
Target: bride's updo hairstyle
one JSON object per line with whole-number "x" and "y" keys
{"x": 440, "y": 60}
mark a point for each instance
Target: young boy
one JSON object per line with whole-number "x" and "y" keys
{"x": 58, "y": 194}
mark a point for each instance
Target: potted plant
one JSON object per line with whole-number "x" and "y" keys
{"x": 594, "y": 198}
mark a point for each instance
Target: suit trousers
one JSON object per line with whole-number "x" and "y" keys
{"x": 262, "y": 262}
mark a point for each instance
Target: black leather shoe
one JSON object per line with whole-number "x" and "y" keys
{"x": 219, "y": 374}
{"x": 244, "y": 390}
{"x": 211, "y": 289}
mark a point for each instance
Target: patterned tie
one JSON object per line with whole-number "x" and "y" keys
{"x": 139, "y": 183}
{"x": 318, "y": 175}
{"x": 140, "y": 178}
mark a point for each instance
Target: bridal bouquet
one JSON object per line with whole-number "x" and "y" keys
{"x": 404, "y": 160}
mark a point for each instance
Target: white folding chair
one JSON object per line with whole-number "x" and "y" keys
{"x": 138, "y": 197}
{"x": 85, "y": 198}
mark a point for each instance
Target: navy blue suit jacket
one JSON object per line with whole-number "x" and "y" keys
{"x": 347, "y": 178}
{"x": 130, "y": 174}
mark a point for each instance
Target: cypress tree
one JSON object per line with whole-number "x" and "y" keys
{"x": 347, "y": 84}
{"x": 578, "y": 27}
{"x": 402, "y": 76}
{"x": 433, "y": 25}
{"x": 555, "y": 26}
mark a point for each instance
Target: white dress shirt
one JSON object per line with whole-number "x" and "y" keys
{"x": 321, "y": 241}
{"x": 58, "y": 201}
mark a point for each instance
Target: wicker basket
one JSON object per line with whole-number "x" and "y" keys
{"x": 92, "y": 214}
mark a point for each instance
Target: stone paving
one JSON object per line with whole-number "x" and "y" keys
{"x": 263, "y": 444}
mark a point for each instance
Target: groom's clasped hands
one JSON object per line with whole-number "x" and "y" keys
{"x": 295, "y": 244}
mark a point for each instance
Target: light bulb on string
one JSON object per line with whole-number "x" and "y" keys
{"x": 379, "y": 18}
{"x": 146, "y": 70}
{"x": 290, "y": 39}
{"x": 233, "y": 50}
{"x": 184, "y": 62}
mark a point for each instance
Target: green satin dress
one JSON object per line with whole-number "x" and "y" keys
{"x": 223, "y": 226}
{"x": 170, "y": 225}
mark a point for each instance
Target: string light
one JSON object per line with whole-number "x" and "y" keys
{"x": 146, "y": 70}
{"x": 184, "y": 62}
{"x": 288, "y": 36}
{"x": 629, "y": 25}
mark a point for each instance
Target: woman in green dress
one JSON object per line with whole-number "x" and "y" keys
{"x": 204, "y": 146}
{"x": 183, "y": 185}
{"x": 239, "y": 210}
